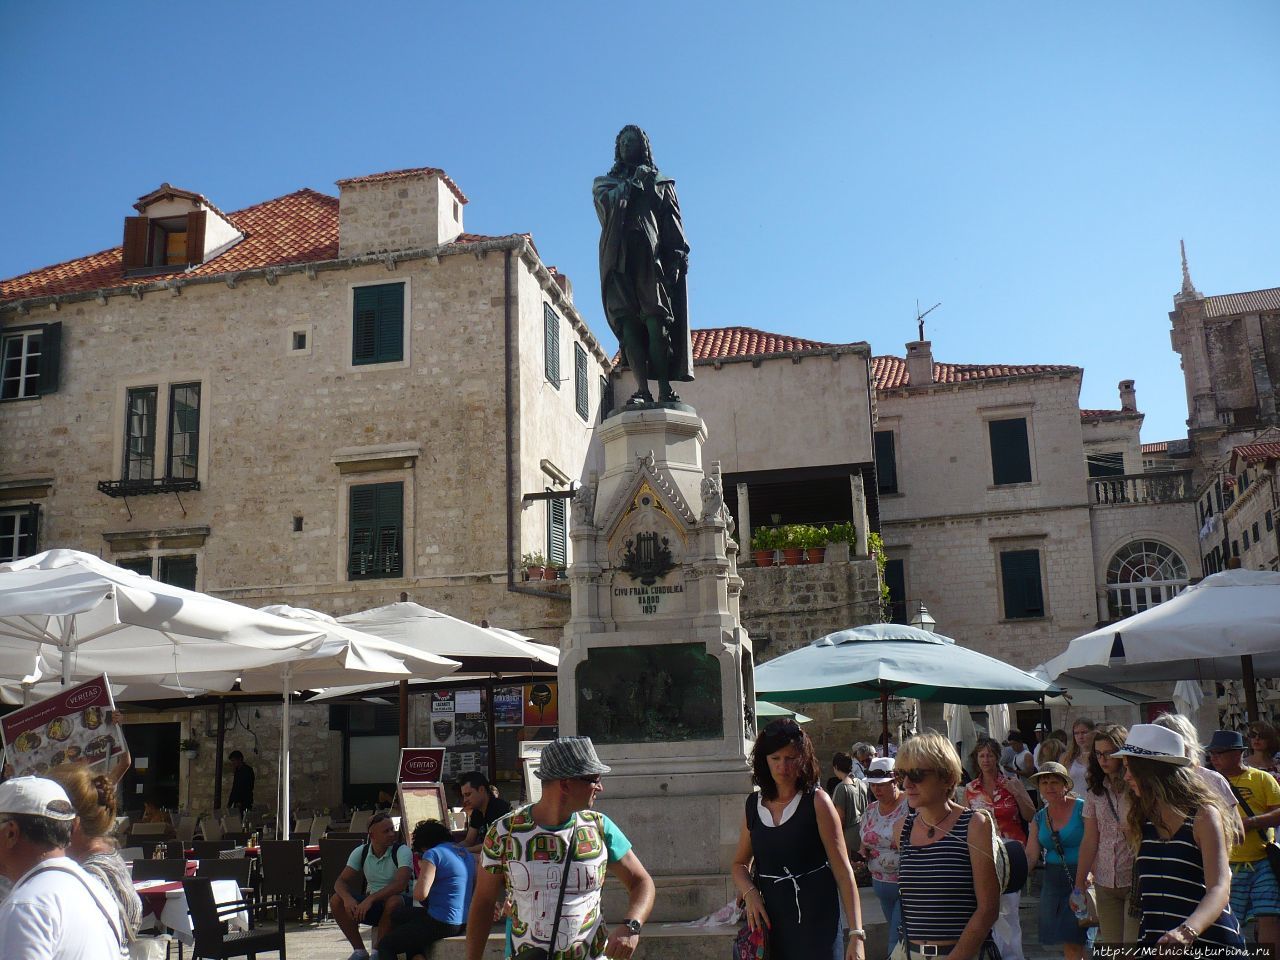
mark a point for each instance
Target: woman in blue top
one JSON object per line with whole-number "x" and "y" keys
{"x": 1058, "y": 832}
{"x": 446, "y": 879}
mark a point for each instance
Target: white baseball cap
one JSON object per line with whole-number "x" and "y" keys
{"x": 881, "y": 770}
{"x": 35, "y": 797}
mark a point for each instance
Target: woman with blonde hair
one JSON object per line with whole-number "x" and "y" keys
{"x": 94, "y": 799}
{"x": 1077, "y": 758}
{"x": 1192, "y": 750}
{"x": 1105, "y": 852}
{"x": 947, "y": 882}
{"x": 1051, "y": 751}
{"x": 1182, "y": 833}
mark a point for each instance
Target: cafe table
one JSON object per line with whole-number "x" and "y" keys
{"x": 164, "y": 904}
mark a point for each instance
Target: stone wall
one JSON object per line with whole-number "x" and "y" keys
{"x": 785, "y": 608}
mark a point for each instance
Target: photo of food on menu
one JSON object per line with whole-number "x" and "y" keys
{"x": 74, "y": 726}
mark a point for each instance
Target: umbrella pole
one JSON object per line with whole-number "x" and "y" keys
{"x": 222, "y": 742}
{"x": 1250, "y": 687}
{"x": 283, "y": 823}
{"x": 884, "y": 719}
{"x": 404, "y": 714}
{"x": 493, "y": 738}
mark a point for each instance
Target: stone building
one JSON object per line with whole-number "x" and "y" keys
{"x": 317, "y": 400}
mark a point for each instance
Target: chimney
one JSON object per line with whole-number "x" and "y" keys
{"x": 1128, "y": 396}
{"x": 399, "y": 210}
{"x": 920, "y": 363}
{"x": 563, "y": 282}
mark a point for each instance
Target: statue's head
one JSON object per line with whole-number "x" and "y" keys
{"x": 632, "y": 147}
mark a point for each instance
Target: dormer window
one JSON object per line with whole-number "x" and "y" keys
{"x": 175, "y": 230}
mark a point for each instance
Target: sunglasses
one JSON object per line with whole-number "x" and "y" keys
{"x": 915, "y": 776}
{"x": 594, "y": 779}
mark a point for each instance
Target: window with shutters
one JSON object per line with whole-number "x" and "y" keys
{"x": 606, "y": 398}
{"x": 378, "y": 324}
{"x": 1109, "y": 464}
{"x": 143, "y": 566}
{"x": 581, "y": 400}
{"x": 29, "y": 361}
{"x": 178, "y": 571}
{"x": 886, "y": 462}
{"x": 895, "y": 578}
{"x": 557, "y": 532}
{"x": 161, "y": 440}
{"x": 1010, "y": 452}
{"x": 19, "y": 532}
{"x": 375, "y": 531}
{"x": 551, "y": 344}
{"x": 163, "y": 244}
{"x": 1020, "y": 584}
{"x": 184, "y": 431}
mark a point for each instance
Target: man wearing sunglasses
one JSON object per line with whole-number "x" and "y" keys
{"x": 551, "y": 859}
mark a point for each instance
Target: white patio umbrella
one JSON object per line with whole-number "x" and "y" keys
{"x": 341, "y": 654}
{"x": 1201, "y": 634}
{"x": 12, "y": 692}
{"x": 68, "y": 614}
{"x": 479, "y": 649}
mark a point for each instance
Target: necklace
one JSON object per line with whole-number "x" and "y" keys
{"x": 933, "y": 827}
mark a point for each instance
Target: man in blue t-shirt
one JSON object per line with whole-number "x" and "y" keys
{"x": 385, "y": 865}
{"x": 446, "y": 880}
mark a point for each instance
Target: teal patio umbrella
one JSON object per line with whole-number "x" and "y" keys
{"x": 766, "y": 709}
{"x": 889, "y": 659}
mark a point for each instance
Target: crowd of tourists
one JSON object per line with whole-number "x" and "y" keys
{"x": 1137, "y": 839}
{"x": 1138, "y": 842}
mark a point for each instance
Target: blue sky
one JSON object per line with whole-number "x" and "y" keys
{"x": 1031, "y": 166}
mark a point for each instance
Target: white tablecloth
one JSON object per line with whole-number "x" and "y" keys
{"x": 175, "y": 914}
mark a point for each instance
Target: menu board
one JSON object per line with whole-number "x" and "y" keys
{"x": 73, "y": 726}
{"x": 421, "y": 801}
{"x": 421, "y": 764}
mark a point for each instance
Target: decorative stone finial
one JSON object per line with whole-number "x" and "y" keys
{"x": 1188, "y": 288}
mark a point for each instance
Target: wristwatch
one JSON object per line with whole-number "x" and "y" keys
{"x": 633, "y": 926}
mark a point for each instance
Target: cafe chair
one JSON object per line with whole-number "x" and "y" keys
{"x": 283, "y": 867}
{"x": 360, "y": 821}
{"x": 212, "y": 940}
{"x": 334, "y": 855}
{"x": 168, "y": 870}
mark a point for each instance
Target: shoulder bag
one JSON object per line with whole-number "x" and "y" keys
{"x": 1090, "y": 919}
{"x": 1269, "y": 847}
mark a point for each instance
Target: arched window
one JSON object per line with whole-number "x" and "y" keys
{"x": 1142, "y": 574}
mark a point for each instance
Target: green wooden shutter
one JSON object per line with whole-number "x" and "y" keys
{"x": 377, "y": 324}
{"x": 557, "y": 532}
{"x": 1020, "y": 576}
{"x": 551, "y": 336}
{"x": 50, "y": 357}
{"x": 375, "y": 531}
{"x": 895, "y": 578}
{"x": 886, "y": 462}
{"x": 178, "y": 572}
{"x": 1010, "y": 455}
{"x": 580, "y": 398}
{"x": 606, "y": 398}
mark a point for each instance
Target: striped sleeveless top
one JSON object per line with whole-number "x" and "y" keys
{"x": 935, "y": 883}
{"x": 1171, "y": 884}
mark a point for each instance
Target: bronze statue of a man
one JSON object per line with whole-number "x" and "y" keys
{"x": 643, "y": 261}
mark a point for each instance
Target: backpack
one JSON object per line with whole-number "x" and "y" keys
{"x": 364, "y": 854}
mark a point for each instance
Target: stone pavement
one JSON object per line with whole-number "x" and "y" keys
{"x": 323, "y": 941}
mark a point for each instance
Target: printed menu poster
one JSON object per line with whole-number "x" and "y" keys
{"x": 74, "y": 726}
{"x": 442, "y": 701}
{"x": 508, "y": 706}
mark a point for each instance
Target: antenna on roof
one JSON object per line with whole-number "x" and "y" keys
{"x": 920, "y": 316}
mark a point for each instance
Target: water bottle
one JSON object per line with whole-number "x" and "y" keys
{"x": 1079, "y": 904}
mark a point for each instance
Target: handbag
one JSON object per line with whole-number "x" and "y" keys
{"x": 750, "y": 944}
{"x": 1090, "y": 919}
{"x": 1269, "y": 847}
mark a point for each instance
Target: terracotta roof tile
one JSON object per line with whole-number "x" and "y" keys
{"x": 725, "y": 343}
{"x": 891, "y": 372}
{"x": 1254, "y": 301}
{"x": 300, "y": 227}
{"x": 1256, "y": 452}
{"x": 1161, "y": 446}
{"x": 405, "y": 175}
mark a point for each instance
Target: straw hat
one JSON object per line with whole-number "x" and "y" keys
{"x": 1053, "y": 769}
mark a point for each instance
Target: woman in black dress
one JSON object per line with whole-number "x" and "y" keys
{"x": 801, "y": 873}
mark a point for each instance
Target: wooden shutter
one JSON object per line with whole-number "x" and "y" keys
{"x": 376, "y": 531}
{"x": 557, "y": 532}
{"x": 886, "y": 462}
{"x": 178, "y": 572}
{"x": 50, "y": 357}
{"x": 581, "y": 401}
{"x": 364, "y": 326}
{"x": 895, "y": 578}
{"x": 1010, "y": 456}
{"x": 390, "y": 323}
{"x": 551, "y": 336}
{"x": 195, "y": 236}
{"x": 1020, "y": 576}
{"x": 28, "y": 531}
{"x": 606, "y": 398}
{"x": 136, "y": 233}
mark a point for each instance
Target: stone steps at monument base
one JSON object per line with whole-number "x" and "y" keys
{"x": 678, "y": 899}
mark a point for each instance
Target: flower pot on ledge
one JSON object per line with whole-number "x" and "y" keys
{"x": 762, "y": 558}
{"x": 791, "y": 556}
{"x": 533, "y": 573}
{"x": 816, "y": 554}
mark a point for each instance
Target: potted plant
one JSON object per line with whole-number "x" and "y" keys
{"x": 792, "y": 545}
{"x": 815, "y": 544}
{"x": 189, "y": 746}
{"x": 534, "y": 565}
{"x": 841, "y": 536}
{"x": 553, "y": 571}
{"x": 763, "y": 543}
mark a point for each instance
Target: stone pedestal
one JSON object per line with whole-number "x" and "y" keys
{"x": 655, "y": 666}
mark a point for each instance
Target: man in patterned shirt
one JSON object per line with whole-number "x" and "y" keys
{"x": 525, "y": 856}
